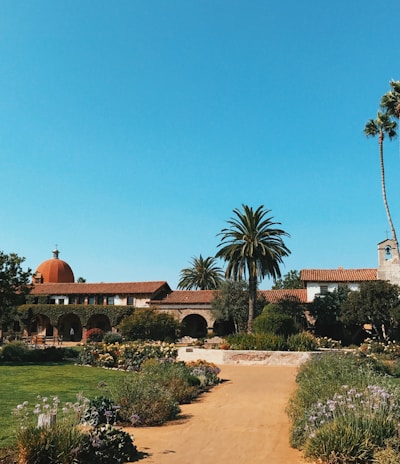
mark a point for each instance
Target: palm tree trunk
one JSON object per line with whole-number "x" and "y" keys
{"x": 252, "y": 302}
{"x": 385, "y": 202}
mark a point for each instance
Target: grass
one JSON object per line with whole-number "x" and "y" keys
{"x": 20, "y": 383}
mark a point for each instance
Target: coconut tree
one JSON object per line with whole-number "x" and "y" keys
{"x": 204, "y": 274}
{"x": 390, "y": 102}
{"x": 381, "y": 126}
{"x": 253, "y": 249}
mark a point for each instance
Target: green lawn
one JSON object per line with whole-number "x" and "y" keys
{"x": 20, "y": 383}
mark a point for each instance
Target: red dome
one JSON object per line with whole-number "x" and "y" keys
{"x": 54, "y": 270}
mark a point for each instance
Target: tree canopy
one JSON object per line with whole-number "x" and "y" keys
{"x": 14, "y": 285}
{"x": 377, "y": 304}
{"x": 254, "y": 248}
{"x": 289, "y": 280}
{"x": 231, "y": 302}
{"x": 204, "y": 274}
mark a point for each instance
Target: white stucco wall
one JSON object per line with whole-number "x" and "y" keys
{"x": 314, "y": 288}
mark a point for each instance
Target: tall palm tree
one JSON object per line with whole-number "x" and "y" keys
{"x": 390, "y": 102}
{"x": 204, "y": 274}
{"x": 253, "y": 248}
{"x": 381, "y": 126}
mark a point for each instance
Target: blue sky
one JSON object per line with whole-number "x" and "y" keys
{"x": 130, "y": 130}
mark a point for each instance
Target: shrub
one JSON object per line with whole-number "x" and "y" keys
{"x": 63, "y": 441}
{"x": 206, "y": 372}
{"x": 174, "y": 377}
{"x": 343, "y": 409}
{"x": 274, "y": 322}
{"x": 149, "y": 324}
{"x": 352, "y": 425}
{"x": 304, "y": 341}
{"x": 49, "y": 445}
{"x": 94, "y": 335}
{"x": 142, "y": 401}
{"x": 100, "y": 410}
{"x": 107, "y": 445}
{"x": 112, "y": 337}
{"x": 129, "y": 356}
{"x": 267, "y": 342}
{"x": 15, "y": 352}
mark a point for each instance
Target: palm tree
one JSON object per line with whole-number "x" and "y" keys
{"x": 204, "y": 274}
{"x": 381, "y": 126}
{"x": 390, "y": 102}
{"x": 253, "y": 248}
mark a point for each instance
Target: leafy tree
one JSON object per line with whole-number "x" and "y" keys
{"x": 253, "y": 248}
{"x": 390, "y": 102}
{"x": 289, "y": 280}
{"x": 14, "y": 285}
{"x": 231, "y": 303}
{"x": 326, "y": 309}
{"x": 203, "y": 274}
{"x": 381, "y": 126}
{"x": 149, "y": 324}
{"x": 291, "y": 306}
{"x": 274, "y": 320}
{"x": 377, "y": 303}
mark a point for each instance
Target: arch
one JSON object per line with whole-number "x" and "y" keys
{"x": 222, "y": 327}
{"x": 99, "y": 321}
{"x": 40, "y": 324}
{"x": 70, "y": 327}
{"x": 194, "y": 326}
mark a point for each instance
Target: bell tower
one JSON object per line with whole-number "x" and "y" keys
{"x": 388, "y": 262}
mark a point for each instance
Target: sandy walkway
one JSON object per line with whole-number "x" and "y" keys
{"x": 240, "y": 421}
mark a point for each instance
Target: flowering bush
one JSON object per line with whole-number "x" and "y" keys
{"x": 107, "y": 445}
{"x": 325, "y": 342}
{"x": 389, "y": 350}
{"x": 95, "y": 335}
{"x": 143, "y": 400}
{"x": 343, "y": 410}
{"x": 128, "y": 356}
{"x": 205, "y": 371}
{"x": 353, "y": 423}
{"x": 58, "y": 438}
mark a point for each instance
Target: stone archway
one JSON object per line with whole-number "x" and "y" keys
{"x": 70, "y": 328}
{"x": 40, "y": 324}
{"x": 99, "y": 321}
{"x": 194, "y": 326}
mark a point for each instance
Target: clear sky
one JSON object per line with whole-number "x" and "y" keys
{"x": 130, "y": 130}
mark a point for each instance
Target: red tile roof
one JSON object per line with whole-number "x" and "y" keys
{"x": 182, "y": 297}
{"x": 338, "y": 275}
{"x": 274, "y": 296}
{"x": 148, "y": 288}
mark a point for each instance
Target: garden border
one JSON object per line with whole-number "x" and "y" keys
{"x": 246, "y": 357}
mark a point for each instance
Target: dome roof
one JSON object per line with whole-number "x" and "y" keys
{"x": 54, "y": 270}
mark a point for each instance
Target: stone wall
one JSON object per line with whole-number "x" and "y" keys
{"x": 249, "y": 358}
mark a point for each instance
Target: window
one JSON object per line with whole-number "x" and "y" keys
{"x": 91, "y": 300}
{"x": 71, "y": 300}
{"x": 323, "y": 289}
{"x": 52, "y": 301}
{"x": 100, "y": 299}
{"x": 110, "y": 300}
{"x": 130, "y": 300}
{"x": 81, "y": 300}
{"x": 61, "y": 301}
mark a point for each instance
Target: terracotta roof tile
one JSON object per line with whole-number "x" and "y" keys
{"x": 181, "y": 297}
{"x": 338, "y": 275}
{"x": 99, "y": 288}
{"x": 274, "y": 296}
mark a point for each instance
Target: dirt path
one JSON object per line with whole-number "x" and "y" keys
{"x": 241, "y": 421}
